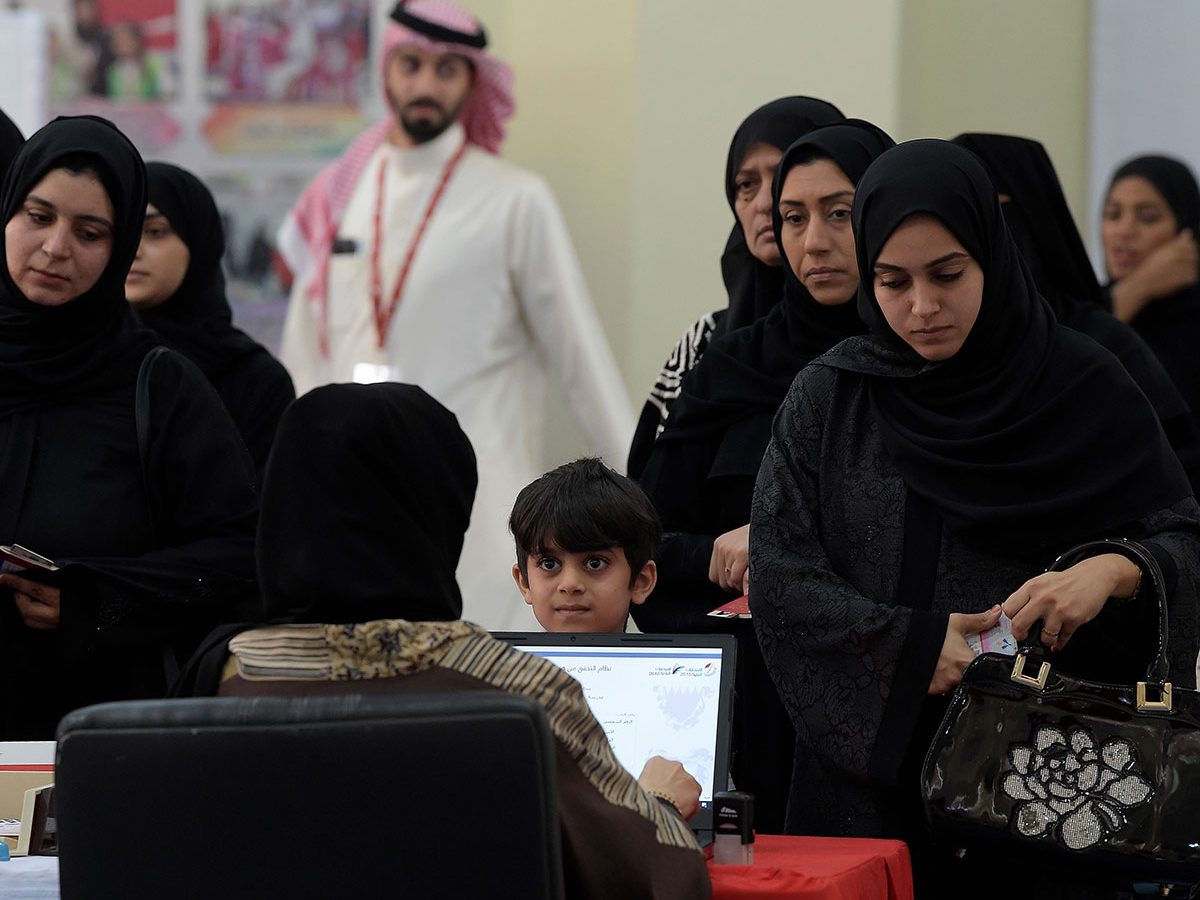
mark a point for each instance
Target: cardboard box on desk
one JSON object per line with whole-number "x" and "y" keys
{"x": 23, "y": 765}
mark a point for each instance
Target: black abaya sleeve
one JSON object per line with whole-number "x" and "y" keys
{"x": 1136, "y": 356}
{"x": 256, "y": 393}
{"x": 852, "y": 672}
{"x": 204, "y": 511}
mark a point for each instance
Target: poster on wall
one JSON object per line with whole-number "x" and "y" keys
{"x": 118, "y": 59}
{"x": 253, "y": 96}
{"x": 285, "y": 75}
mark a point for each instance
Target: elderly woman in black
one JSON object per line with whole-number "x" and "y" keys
{"x": 918, "y": 481}
{"x": 750, "y": 265}
{"x": 177, "y": 289}
{"x": 117, "y": 461}
{"x": 701, "y": 473}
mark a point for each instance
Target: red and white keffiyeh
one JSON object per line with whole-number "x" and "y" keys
{"x": 306, "y": 238}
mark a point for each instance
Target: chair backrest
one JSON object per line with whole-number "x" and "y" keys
{"x": 407, "y": 795}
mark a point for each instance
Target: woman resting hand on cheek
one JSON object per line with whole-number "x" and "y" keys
{"x": 923, "y": 475}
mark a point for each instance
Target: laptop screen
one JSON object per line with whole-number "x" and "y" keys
{"x": 664, "y": 695}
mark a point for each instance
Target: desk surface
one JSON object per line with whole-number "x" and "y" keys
{"x": 30, "y": 878}
{"x": 794, "y": 867}
{"x": 815, "y": 868}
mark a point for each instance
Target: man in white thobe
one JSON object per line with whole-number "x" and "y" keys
{"x": 420, "y": 256}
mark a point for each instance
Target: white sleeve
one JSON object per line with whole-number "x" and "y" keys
{"x": 554, "y": 300}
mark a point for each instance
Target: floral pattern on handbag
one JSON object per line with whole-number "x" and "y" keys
{"x": 1070, "y": 790}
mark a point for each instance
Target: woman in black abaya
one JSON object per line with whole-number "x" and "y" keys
{"x": 701, "y": 472}
{"x": 750, "y": 265}
{"x": 177, "y": 289}
{"x": 357, "y": 571}
{"x": 1149, "y": 228}
{"x": 920, "y": 477}
{"x": 1040, "y": 222}
{"x": 149, "y": 512}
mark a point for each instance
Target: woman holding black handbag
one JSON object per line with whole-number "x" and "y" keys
{"x": 918, "y": 481}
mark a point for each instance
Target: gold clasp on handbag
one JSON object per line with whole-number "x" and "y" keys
{"x": 1019, "y": 676}
{"x": 1163, "y": 704}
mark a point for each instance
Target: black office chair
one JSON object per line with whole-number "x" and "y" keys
{"x": 407, "y": 795}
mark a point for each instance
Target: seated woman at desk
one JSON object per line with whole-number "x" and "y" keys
{"x": 923, "y": 476}
{"x": 360, "y": 562}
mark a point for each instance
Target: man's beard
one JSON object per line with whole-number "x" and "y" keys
{"x": 424, "y": 129}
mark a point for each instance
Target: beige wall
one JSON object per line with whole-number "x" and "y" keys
{"x": 1010, "y": 66}
{"x": 627, "y": 108}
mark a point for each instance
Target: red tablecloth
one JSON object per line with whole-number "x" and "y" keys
{"x": 812, "y": 867}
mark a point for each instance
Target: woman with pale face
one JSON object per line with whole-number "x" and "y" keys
{"x": 920, "y": 479}
{"x": 1149, "y": 226}
{"x": 750, "y": 264}
{"x": 177, "y": 289}
{"x": 147, "y": 508}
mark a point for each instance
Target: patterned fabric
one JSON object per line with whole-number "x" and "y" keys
{"x": 682, "y": 360}
{"x": 394, "y": 647}
{"x": 1070, "y": 790}
{"x": 308, "y": 235}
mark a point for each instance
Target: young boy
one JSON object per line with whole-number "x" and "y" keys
{"x": 586, "y": 539}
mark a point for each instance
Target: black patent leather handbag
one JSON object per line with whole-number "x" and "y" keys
{"x": 1106, "y": 775}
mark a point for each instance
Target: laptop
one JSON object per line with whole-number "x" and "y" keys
{"x": 655, "y": 695}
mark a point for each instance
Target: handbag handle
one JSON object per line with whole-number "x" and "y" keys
{"x": 1157, "y": 670}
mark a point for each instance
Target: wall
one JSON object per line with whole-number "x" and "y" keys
{"x": 1009, "y": 66}
{"x": 628, "y": 107}
{"x": 1144, "y": 71}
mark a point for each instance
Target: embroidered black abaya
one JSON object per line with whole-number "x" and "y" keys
{"x": 993, "y": 454}
{"x": 197, "y": 321}
{"x": 1171, "y": 325}
{"x": 155, "y": 536}
{"x": 1040, "y": 221}
{"x": 701, "y": 472}
{"x": 753, "y": 287}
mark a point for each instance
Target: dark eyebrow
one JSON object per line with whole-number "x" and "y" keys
{"x": 828, "y": 198}
{"x": 953, "y": 255}
{"x": 99, "y": 220}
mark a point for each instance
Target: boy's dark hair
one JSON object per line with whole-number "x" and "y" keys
{"x": 584, "y": 505}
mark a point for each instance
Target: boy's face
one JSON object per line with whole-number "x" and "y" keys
{"x": 587, "y": 591}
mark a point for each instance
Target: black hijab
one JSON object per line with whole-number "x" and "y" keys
{"x": 367, "y": 496}
{"x": 1039, "y": 220}
{"x": 196, "y": 320}
{"x": 754, "y": 287}
{"x": 11, "y": 141}
{"x": 1002, "y": 438}
{"x": 91, "y": 344}
{"x": 747, "y": 373}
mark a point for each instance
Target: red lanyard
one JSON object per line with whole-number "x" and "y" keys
{"x": 383, "y": 317}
